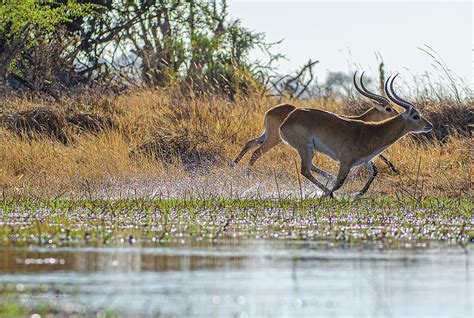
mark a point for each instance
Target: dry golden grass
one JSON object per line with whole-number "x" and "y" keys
{"x": 93, "y": 163}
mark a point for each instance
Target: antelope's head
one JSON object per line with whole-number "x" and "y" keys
{"x": 383, "y": 108}
{"x": 414, "y": 121}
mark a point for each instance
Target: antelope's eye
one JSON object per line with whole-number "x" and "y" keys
{"x": 388, "y": 110}
{"x": 416, "y": 117}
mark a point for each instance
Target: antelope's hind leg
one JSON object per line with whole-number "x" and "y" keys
{"x": 306, "y": 155}
{"x": 321, "y": 172}
{"x": 249, "y": 145}
{"x": 267, "y": 144}
{"x": 341, "y": 177}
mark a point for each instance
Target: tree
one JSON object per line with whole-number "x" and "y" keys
{"x": 338, "y": 83}
{"x": 24, "y": 22}
{"x": 54, "y": 44}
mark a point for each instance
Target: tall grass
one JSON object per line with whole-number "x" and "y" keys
{"x": 187, "y": 129}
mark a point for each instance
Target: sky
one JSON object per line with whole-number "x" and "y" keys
{"x": 348, "y": 35}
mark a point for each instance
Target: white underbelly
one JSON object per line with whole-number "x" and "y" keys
{"x": 368, "y": 158}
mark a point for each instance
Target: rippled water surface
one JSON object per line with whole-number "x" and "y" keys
{"x": 246, "y": 279}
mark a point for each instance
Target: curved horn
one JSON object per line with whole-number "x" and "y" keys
{"x": 387, "y": 92}
{"x": 357, "y": 86}
{"x": 355, "y": 83}
{"x": 389, "y": 95}
{"x": 380, "y": 99}
{"x": 400, "y": 100}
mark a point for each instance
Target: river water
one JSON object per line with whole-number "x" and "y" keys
{"x": 262, "y": 278}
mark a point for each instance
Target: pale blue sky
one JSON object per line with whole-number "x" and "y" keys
{"x": 345, "y": 35}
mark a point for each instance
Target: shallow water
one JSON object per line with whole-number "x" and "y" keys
{"x": 246, "y": 279}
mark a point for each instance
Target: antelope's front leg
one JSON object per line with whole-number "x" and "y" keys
{"x": 370, "y": 165}
{"x": 325, "y": 174}
{"x": 389, "y": 164}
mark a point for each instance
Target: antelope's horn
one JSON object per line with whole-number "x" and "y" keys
{"x": 389, "y": 95}
{"x": 382, "y": 100}
{"x": 400, "y": 101}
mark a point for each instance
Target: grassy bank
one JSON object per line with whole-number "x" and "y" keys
{"x": 391, "y": 222}
{"x": 183, "y": 145}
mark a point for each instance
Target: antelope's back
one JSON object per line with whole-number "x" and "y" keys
{"x": 280, "y": 111}
{"x": 304, "y": 124}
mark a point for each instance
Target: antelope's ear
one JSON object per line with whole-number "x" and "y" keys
{"x": 406, "y": 114}
{"x": 379, "y": 107}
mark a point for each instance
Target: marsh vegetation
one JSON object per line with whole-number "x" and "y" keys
{"x": 64, "y": 256}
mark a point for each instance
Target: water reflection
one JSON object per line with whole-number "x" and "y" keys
{"x": 262, "y": 278}
{"x": 98, "y": 260}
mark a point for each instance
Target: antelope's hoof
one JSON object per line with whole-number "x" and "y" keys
{"x": 328, "y": 195}
{"x": 395, "y": 170}
{"x": 232, "y": 165}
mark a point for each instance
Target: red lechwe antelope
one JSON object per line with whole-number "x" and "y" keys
{"x": 275, "y": 116}
{"x": 348, "y": 141}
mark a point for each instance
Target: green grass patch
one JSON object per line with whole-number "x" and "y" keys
{"x": 60, "y": 221}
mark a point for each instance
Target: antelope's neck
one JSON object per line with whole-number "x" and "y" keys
{"x": 387, "y": 132}
{"x": 363, "y": 116}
